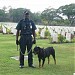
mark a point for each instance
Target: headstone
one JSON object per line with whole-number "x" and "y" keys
{"x": 42, "y": 33}
{"x": 59, "y": 31}
{"x": 63, "y": 33}
{"x": 14, "y": 31}
{"x": 36, "y": 30}
{"x": 54, "y": 37}
{"x": 68, "y": 36}
{"x": 4, "y": 29}
{"x": 51, "y": 32}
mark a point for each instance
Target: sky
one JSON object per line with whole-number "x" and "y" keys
{"x": 35, "y": 5}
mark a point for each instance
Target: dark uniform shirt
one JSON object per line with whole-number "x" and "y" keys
{"x": 26, "y": 26}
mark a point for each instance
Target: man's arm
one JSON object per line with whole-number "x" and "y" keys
{"x": 34, "y": 35}
{"x": 17, "y": 36}
{"x": 33, "y": 31}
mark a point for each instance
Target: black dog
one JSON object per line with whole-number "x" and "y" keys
{"x": 43, "y": 53}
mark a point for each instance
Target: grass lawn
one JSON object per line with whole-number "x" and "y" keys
{"x": 64, "y": 56}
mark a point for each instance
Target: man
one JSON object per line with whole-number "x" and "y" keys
{"x": 26, "y": 28}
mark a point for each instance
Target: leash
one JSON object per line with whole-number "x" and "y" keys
{"x": 24, "y": 53}
{"x": 18, "y": 49}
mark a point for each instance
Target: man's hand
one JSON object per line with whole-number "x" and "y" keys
{"x": 17, "y": 42}
{"x": 34, "y": 41}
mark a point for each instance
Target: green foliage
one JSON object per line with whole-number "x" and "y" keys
{"x": 1, "y": 29}
{"x": 37, "y": 35}
{"x": 45, "y": 22}
{"x": 2, "y": 15}
{"x": 0, "y": 26}
{"x": 8, "y": 31}
{"x": 40, "y": 29}
{"x": 61, "y": 38}
{"x": 66, "y": 41}
{"x": 36, "y": 17}
{"x": 50, "y": 39}
{"x": 73, "y": 40}
{"x": 47, "y": 33}
{"x": 69, "y": 11}
{"x": 49, "y": 16}
{"x": 66, "y": 22}
{"x": 54, "y": 23}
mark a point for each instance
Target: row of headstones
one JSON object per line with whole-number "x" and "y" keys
{"x": 8, "y": 26}
{"x": 54, "y": 31}
{"x": 12, "y": 30}
{"x": 66, "y": 32}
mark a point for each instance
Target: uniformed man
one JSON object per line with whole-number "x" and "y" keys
{"x": 26, "y": 28}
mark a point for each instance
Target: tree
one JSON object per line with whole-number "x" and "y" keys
{"x": 16, "y": 14}
{"x": 69, "y": 11}
{"x": 50, "y": 15}
{"x": 2, "y": 15}
{"x": 36, "y": 17}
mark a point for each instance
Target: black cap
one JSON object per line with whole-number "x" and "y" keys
{"x": 26, "y": 13}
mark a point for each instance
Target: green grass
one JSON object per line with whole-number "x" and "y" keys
{"x": 64, "y": 56}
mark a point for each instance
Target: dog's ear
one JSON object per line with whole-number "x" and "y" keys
{"x": 39, "y": 48}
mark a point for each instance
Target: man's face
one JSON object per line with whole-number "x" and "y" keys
{"x": 26, "y": 15}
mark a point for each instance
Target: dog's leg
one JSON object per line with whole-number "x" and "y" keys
{"x": 54, "y": 58}
{"x": 43, "y": 62}
{"x": 55, "y": 61}
{"x": 48, "y": 60}
{"x": 39, "y": 62}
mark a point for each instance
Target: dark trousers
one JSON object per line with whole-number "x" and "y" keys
{"x": 26, "y": 43}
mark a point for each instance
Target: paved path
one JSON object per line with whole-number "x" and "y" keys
{"x": 17, "y": 57}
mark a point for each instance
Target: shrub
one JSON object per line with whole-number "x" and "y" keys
{"x": 50, "y": 39}
{"x": 61, "y": 38}
{"x": 47, "y": 33}
{"x": 40, "y": 29}
{"x": 73, "y": 40}
{"x": 66, "y": 41}
{"x": 1, "y": 29}
{"x": 37, "y": 35}
{"x": 8, "y": 31}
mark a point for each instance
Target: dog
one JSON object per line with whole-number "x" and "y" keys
{"x": 43, "y": 53}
